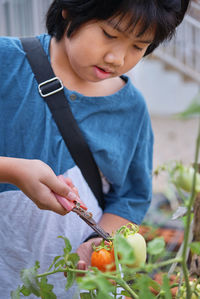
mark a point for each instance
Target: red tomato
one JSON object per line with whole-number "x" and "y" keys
{"x": 102, "y": 259}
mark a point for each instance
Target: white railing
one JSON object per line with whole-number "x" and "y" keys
{"x": 183, "y": 52}
{"x": 23, "y": 17}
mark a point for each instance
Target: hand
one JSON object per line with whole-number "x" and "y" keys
{"x": 38, "y": 181}
{"x": 85, "y": 251}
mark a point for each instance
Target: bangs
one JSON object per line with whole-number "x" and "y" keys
{"x": 146, "y": 16}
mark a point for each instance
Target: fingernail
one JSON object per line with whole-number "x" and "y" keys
{"x": 71, "y": 196}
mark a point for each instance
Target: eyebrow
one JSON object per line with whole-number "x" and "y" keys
{"x": 116, "y": 27}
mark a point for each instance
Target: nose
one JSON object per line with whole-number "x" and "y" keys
{"x": 115, "y": 57}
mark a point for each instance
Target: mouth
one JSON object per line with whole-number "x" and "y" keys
{"x": 103, "y": 73}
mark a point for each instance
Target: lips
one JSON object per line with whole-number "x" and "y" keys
{"x": 102, "y": 73}
{"x": 106, "y": 70}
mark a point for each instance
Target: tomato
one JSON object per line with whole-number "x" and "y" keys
{"x": 103, "y": 259}
{"x": 184, "y": 178}
{"x": 138, "y": 244}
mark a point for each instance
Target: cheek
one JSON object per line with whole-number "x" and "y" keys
{"x": 133, "y": 58}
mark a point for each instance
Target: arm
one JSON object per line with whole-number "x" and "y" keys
{"x": 38, "y": 181}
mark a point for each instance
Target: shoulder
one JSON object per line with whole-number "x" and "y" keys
{"x": 12, "y": 45}
{"x": 9, "y": 45}
{"x": 132, "y": 98}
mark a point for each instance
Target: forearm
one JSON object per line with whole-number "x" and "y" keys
{"x": 8, "y": 169}
{"x": 110, "y": 222}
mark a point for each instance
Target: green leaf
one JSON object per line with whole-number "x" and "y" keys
{"x": 125, "y": 293}
{"x": 85, "y": 296}
{"x": 25, "y": 291}
{"x": 73, "y": 258}
{"x": 71, "y": 276}
{"x": 154, "y": 284}
{"x": 15, "y": 294}
{"x": 102, "y": 295}
{"x": 30, "y": 280}
{"x": 144, "y": 291}
{"x": 54, "y": 261}
{"x": 193, "y": 109}
{"x": 87, "y": 282}
{"x": 46, "y": 289}
{"x": 124, "y": 249}
{"x": 195, "y": 247}
{"x": 166, "y": 287}
{"x": 156, "y": 246}
{"x": 97, "y": 280}
{"x": 60, "y": 263}
{"x": 68, "y": 246}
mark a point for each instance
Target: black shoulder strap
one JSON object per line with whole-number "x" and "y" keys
{"x": 51, "y": 89}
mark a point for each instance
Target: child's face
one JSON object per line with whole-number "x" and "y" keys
{"x": 98, "y": 51}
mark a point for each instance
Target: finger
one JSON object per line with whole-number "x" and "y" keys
{"x": 48, "y": 201}
{"x": 68, "y": 181}
{"x": 68, "y": 205}
{"x": 81, "y": 266}
{"x": 70, "y": 195}
{"x": 76, "y": 191}
{"x": 65, "y": 190}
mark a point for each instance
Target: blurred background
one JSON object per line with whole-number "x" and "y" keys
{"x": 169, "y": 78}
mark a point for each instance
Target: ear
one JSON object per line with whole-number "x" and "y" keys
{"x": 64, "y": 13}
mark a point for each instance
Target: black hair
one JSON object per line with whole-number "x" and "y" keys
{"x": 164, "y": 15}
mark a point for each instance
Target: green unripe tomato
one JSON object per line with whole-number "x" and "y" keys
{"x": 184, "y": 179}
{"x": 138, "y": 244}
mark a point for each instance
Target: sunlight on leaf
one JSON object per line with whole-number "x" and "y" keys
{"x": 15, "y": 294}
{"x": 30, "y": 280}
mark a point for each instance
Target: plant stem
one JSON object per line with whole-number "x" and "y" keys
{"x": 188, "y": 219}
{"x": 62, "y": 270}
{"x": 116, "y": 257}
{"x": 126, "y": 287}
{"x": 167, "y": 262}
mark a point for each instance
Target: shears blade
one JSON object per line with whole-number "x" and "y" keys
{"x": 87, "y": 217}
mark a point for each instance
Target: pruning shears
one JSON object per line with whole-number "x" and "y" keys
{"x": 80, "y": 209}
{"x": 87, "y": 217}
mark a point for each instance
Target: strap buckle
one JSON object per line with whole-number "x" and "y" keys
{"x": 46, "y": 83}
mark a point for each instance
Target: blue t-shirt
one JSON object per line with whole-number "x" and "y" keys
{"x": 117, "y": 129}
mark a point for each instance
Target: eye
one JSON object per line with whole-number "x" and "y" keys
{"x": 108, "y": 35}
{"x": 137, "y": 48}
